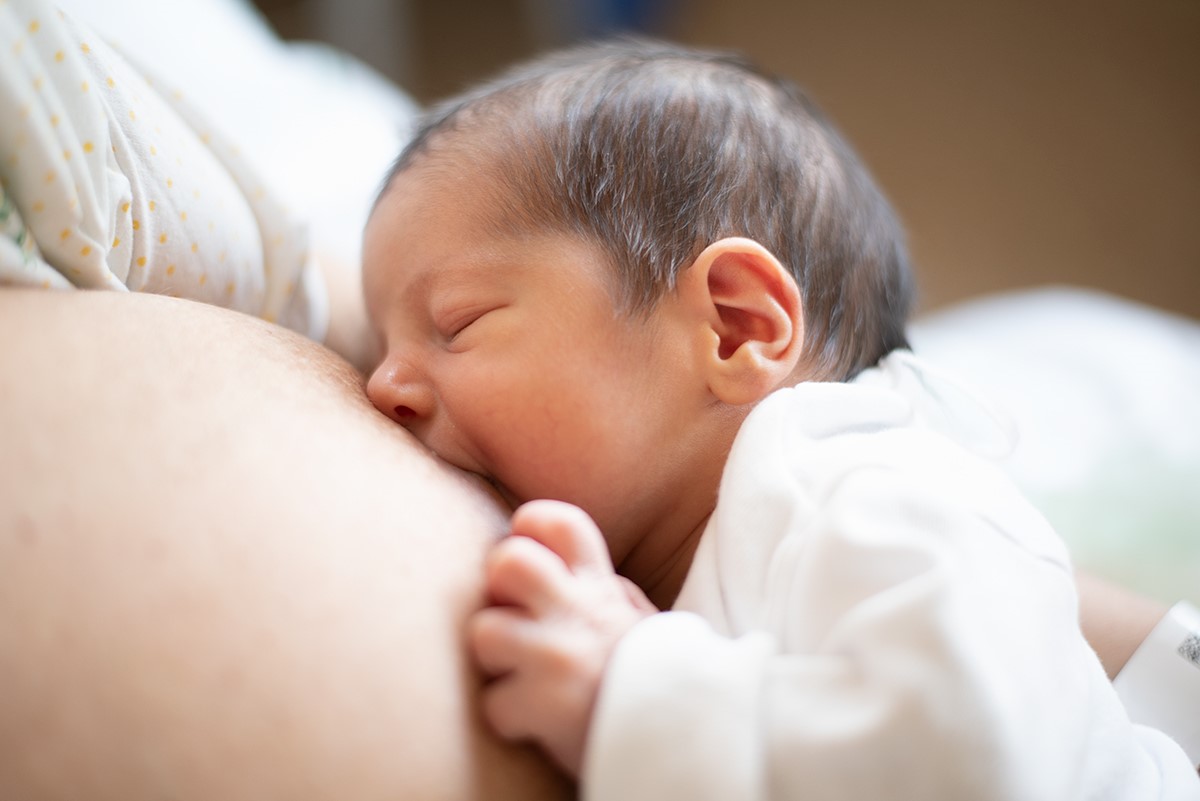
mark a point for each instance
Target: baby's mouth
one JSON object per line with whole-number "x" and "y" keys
{"x": 498, "y": 490}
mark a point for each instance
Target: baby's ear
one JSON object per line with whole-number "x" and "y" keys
{"x": 751, "y": 331}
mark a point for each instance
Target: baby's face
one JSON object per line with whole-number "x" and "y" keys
{"x": 507, "y": 358}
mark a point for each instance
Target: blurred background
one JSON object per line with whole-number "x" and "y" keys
{"x": 1023, "y": 142}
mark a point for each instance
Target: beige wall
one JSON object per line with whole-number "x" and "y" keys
{"x": 1023, "y": 142}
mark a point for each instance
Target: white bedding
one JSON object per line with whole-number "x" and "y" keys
{"x": 1105, "y": 396}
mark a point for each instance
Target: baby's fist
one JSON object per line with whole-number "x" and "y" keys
{"x": 560, "y": 610}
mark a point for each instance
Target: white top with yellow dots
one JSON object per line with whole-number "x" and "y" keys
{"x": 110, "y": 181}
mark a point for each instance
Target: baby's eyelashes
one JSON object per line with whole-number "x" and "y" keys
{"x": 451, "y": 331}
{"x": 451, "y": 327}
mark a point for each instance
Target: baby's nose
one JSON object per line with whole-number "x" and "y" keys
{"x": 401, "y": 393}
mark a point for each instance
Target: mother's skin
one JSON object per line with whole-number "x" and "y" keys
{"x": 224, "y": 575}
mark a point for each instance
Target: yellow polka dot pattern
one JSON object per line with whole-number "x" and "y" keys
{"x": 90, "y": 204}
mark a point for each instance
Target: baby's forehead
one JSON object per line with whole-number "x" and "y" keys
{"x": 465, "y": 188}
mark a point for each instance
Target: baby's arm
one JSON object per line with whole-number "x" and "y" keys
{"x": 559, "y": 610}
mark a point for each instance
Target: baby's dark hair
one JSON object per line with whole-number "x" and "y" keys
{"x": 653, "y": 151}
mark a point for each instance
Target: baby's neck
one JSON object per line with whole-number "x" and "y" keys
{"x": 659, "y": 565}
{"x": 658, "y": 554}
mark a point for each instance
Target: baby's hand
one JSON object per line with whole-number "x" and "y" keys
{"x": 560, "y": 610}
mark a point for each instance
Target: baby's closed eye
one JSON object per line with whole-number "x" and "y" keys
{"x": 453, "y": 323}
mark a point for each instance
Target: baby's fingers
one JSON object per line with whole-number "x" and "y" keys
{"x": 521, "y": 707}
{"x": 566, "y": 530}
{"x": 522, "y": 572}
{"x": 499, "y": 638}
{"x": 508, "y": 707}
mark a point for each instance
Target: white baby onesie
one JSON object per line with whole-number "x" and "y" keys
{"x": 873, "y": 612}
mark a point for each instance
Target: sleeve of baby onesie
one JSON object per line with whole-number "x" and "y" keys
{"x": 1160, "y": 684}
{"x": 892, "y": 662}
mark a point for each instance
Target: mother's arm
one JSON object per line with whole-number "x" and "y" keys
{"x": 223, "y": 575}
